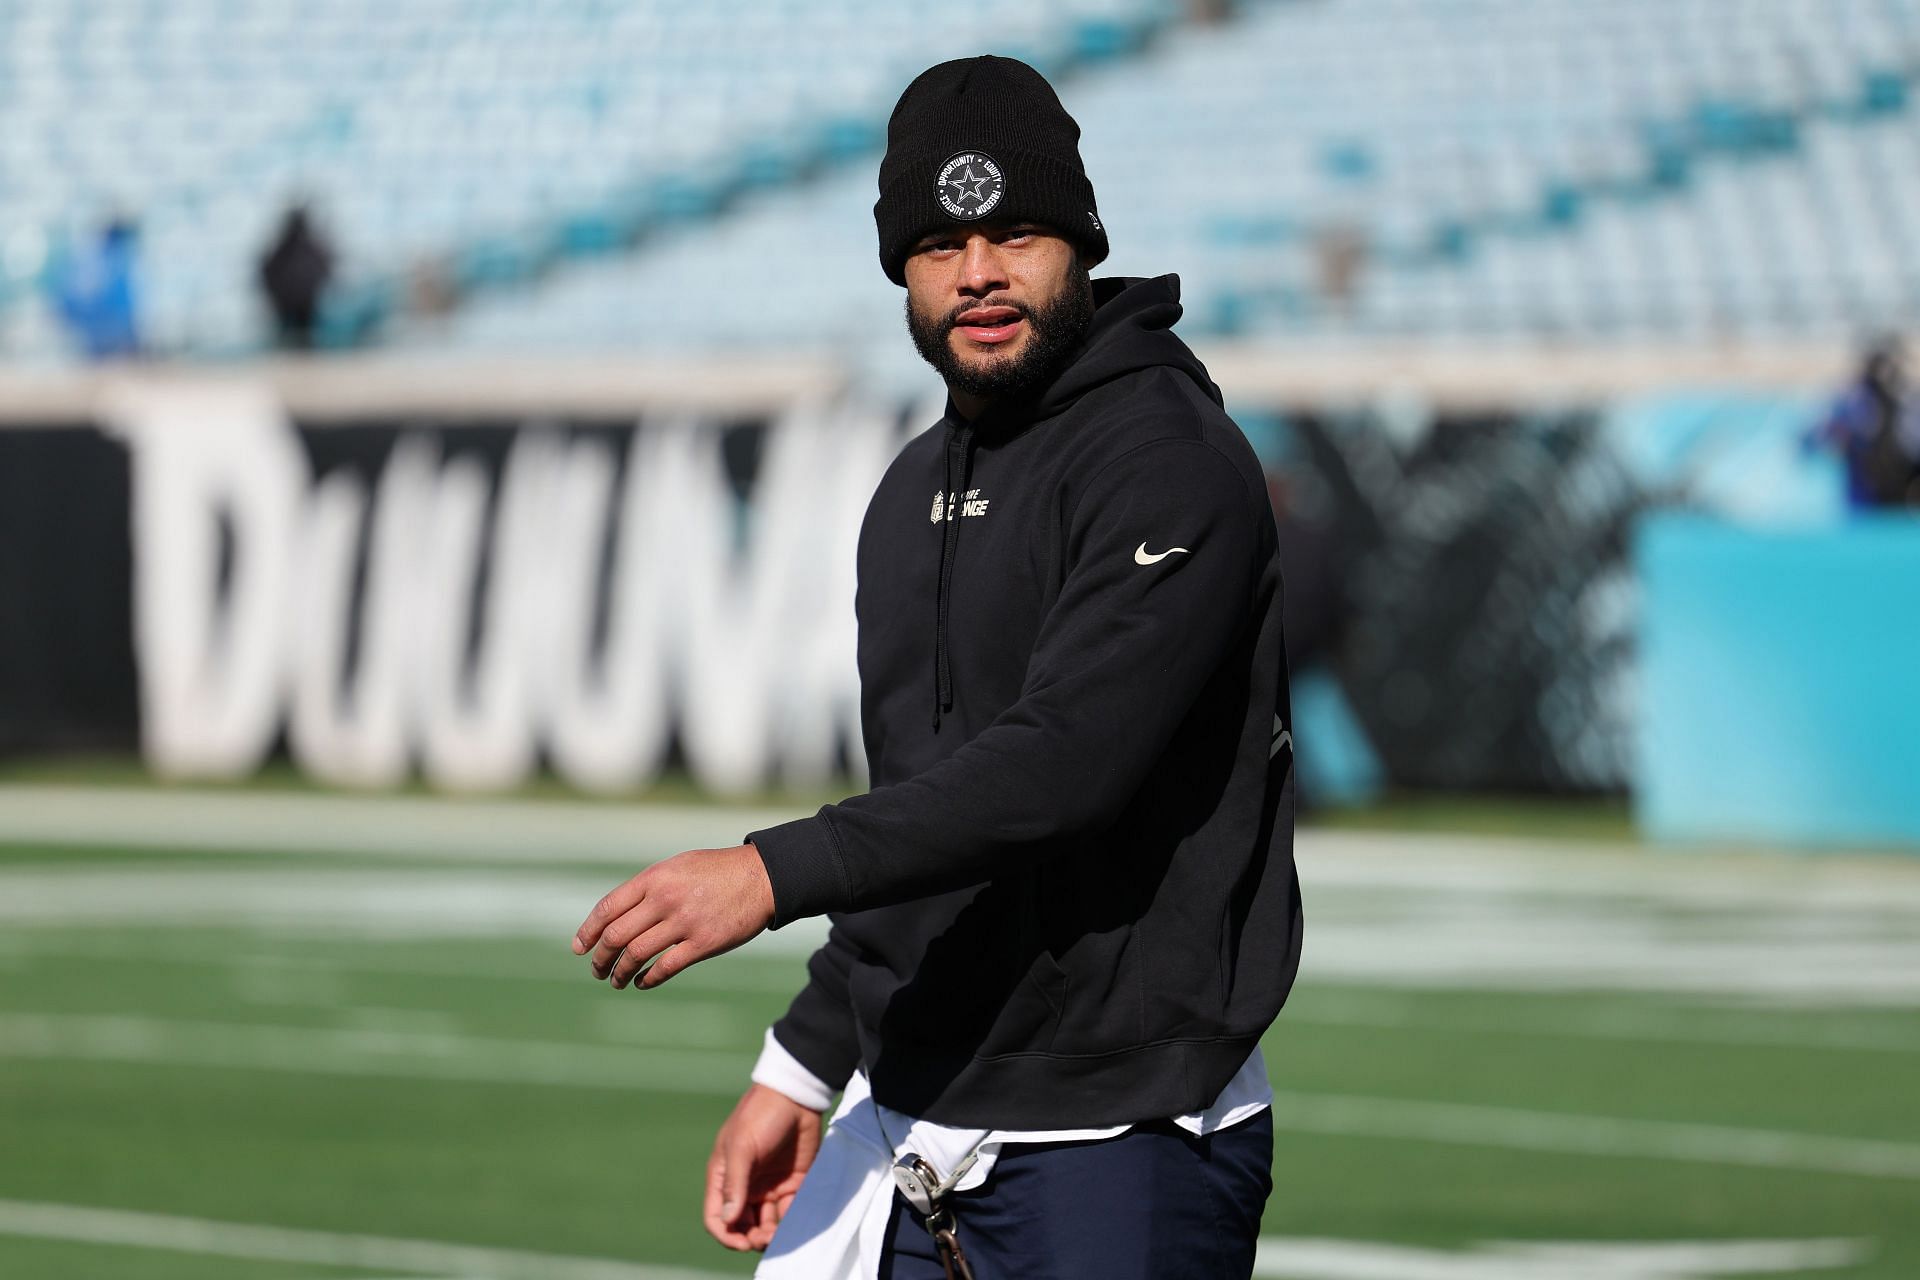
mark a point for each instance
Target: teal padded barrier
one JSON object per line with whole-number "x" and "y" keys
{"x": 1780, "y": 682}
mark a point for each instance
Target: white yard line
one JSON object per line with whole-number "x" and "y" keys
{"x": 749, "y": 971}
{"x": 399, "y": 1054}
{"x": 527, "y": 832}
{"x": 403, "y": 903}
{"x": 1659, "y": 1026}
{"x": 1561, "y": 1133}
{"x": 85, "y": 1225}
{"x": 1302, "y": 1258}
{"x": 1679, "y": 876}
{"x": 1281, "y": 1258}
{"x": 371, "y": 1052}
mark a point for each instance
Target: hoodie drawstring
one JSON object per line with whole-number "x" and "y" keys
{"x": 960, "y": 449}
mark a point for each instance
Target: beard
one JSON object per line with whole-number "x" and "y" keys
{"x": 1054, "y": 331}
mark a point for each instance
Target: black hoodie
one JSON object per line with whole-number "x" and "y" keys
{"x": 1069, "y": 899}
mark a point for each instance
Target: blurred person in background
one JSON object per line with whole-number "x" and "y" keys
{"x": 1875, "y": 428}
{"x": 1340, "y": 262}
{"x": 1066, "y": 912}
{"x": 96, "y": 291}
{"x": 294, "y": 275}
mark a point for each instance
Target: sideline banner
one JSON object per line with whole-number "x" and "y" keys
{"x": 470, "y": 596}
{"x": 463, "y": 599}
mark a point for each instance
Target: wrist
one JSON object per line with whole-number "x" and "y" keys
{"x": 763, "y": 884}
{"x": 782, "y": 1073}
{"x": 780, "y": 1098}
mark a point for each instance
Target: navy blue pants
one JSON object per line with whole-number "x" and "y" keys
{"x": 1155, "y": 1203}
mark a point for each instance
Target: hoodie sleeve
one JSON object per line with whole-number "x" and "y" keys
{"x": 818, "y": 1030}
{"x": 1165, "y": 548}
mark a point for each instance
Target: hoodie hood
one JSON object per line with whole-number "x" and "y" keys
{"x": 1132, "y": 330}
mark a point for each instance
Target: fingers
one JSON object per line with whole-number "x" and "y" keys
{"x": 633, "y": 958}
{"x": 710, "y": 1218}
{"x": 716, "y": 1166}
{"x": 736, "y": 1167}
{"x": 616, "y": 937}
{"x": 682, "y": 954}
{"x": 610, "y": 908}
{"x": 766, "y": 1222}
{"x": 729, "y": 1163}
{"x": 761, "y": 1219}
{"x": 724, "y": 1232}
{"x": 771, "y": 1212}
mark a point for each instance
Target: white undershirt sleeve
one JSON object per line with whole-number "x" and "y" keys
{"x": 783, "y": 1073}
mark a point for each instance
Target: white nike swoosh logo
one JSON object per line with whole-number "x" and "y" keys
{"x": 1140, "y": 555}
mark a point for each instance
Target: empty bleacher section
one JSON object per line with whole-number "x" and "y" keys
{"x": 1586, "y": 170}
{"x": 1498, "y": 169}
{"x": 1689, "y": 167}
{"x": 484, "y": 138}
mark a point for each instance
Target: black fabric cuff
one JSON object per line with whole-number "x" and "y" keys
{"x": 805, "y": 866}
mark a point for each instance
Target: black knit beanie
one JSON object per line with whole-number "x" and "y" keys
{"x": 978, "y": 138}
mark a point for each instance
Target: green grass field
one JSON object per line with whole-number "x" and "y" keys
{"x": 1505, "y": 1058}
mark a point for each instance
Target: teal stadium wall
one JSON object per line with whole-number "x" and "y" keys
{"x": 1780, "y": 682}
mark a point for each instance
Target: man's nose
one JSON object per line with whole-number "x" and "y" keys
{"x": 981, "y": 270}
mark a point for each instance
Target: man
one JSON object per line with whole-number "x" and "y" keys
{"x": 98, "y": 292}
{"x": 1875, "y": 428}
{"x": 294, "y": 275}
{"x": 1067, "y": 910}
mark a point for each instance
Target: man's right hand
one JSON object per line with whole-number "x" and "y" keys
{"x": 762, "y": 1154}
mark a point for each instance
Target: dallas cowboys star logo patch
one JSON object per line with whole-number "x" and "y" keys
{"x": 970, "y": 186}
